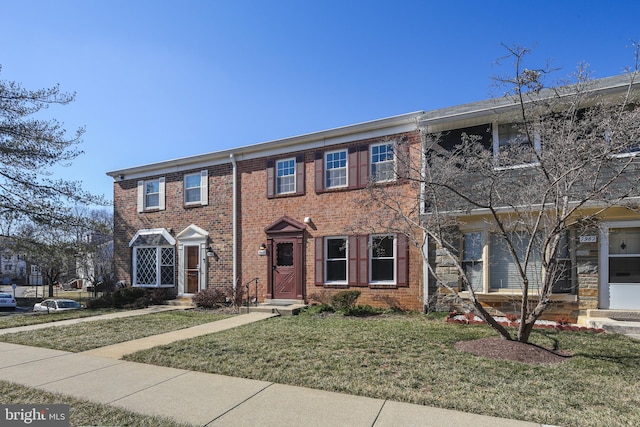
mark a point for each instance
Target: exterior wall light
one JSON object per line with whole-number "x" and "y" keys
{"x": 262, "y": 250}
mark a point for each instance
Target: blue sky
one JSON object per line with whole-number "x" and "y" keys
{"x": 158, "y": 80}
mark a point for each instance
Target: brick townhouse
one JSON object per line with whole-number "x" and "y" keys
{"x": 285, "y": 217}
{"x": 282, "y": 216}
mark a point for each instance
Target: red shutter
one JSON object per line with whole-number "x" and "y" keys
{"x": 319, "y": 172}
{"x": 319, "y": 261}
{"x": 352, "y": 249}
{"x": 363, "y": 260}
{"x": 300, "y": 175}
{"x": 363, "y": 167}
{"x": 402, "y": 249}
{"x": 403, "y": 167}
{"x": 353, "y": 167}
{"x": 271, "y": 179}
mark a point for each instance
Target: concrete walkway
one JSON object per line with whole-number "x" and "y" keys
{"x": 208, "y": 399}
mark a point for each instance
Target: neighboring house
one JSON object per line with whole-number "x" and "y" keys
{"x": 13, "y": 268}
{"x": 282, "y": 213}
{"x": 286, "y": 214}
{"x": 97, "y": 262}
{"x": 601, "y": 262}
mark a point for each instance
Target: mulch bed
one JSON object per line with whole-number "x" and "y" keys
{"x": 502, "y": 349}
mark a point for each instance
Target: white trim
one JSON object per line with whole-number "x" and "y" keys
{"x": 394, "y": 257}
{"x": 140, "y": 196}
{"x": 192, "y": 236}
{"x": 325, "y": 258}
{"x": 604, "y": 301}
{"x": 325, "y": 169}
{"x": 394, "y": 146}
{"x": 204, "y": 187}
{"x": 294, "y": 175}
{"x": 185, "y": 189}
{"x": 158, "y": 264}
{"x": 161, "y": 195}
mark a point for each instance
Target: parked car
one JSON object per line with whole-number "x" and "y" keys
{"x": 7, "y": 301}
{"x": 55, "y": 305}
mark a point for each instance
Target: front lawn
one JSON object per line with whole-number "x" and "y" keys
{"x": 24, "y": 319}
{"x": 413, "y": 359}
{"x": 101, "y": 333}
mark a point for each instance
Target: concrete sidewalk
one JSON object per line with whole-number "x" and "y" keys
{"x": 213, "y": 400}
{"x": 209, "y": 399}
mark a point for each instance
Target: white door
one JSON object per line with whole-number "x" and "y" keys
{"x": 622, "y": 268}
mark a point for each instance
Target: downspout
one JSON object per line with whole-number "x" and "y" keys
{"x": 234, "y": 222}
{"x": 425, "y": 273}
{"x": 425, "y": 235}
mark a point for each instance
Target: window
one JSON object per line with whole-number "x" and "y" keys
{"x": 362, "y": 260}
{"x": 196, "y": 188}
{"x": 154, "y": 266}
{"x": 336, "y": 169}
{"x": 151, "y": 194}
{"x": 503, "y": 269}
{"x": 487, "y": 257}
{"x": 383, "y": 162}
{"x": 472, "y": 258}
{"x": 286, "y": 176}
{"x": 335, "y": 260}
{"x": 624, "y": 255}
{"x": 382, "y": 258}
{"x": 511, "y": 147}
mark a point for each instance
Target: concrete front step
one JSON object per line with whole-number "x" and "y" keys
{"x": 281, "y": 308}
{"x": 181, "y": 302}
{"x": 612, "y": 325}
{"x": 625, "y": 322}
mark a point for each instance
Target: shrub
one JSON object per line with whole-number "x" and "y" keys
{"x": 160, "y": 295}
{"x": 235, "y": 296}
{"x": 345, "y": 300}
{"x": 209, "y": 298}
{"x": 363, "y": 310}
{"x": 130, "y": 298}
{"x": 105, "y": 301}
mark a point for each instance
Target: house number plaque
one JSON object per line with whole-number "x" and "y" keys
{"x": 588, "y": 239}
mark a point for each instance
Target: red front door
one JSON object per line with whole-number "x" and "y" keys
{"x": 284, "y": 268}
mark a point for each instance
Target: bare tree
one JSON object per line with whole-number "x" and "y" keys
{"x": 570, "y": 156}
{"x": 30, "y": 145}
{"x": 52, "y": 249}
{"x": 95, "y": 260}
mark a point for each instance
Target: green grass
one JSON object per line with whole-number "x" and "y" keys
{"x": 81, "y": 413}
{"x": 413, "y": 359}
{"x": 408, "y": 358}
{"x": 100, "y": 333}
